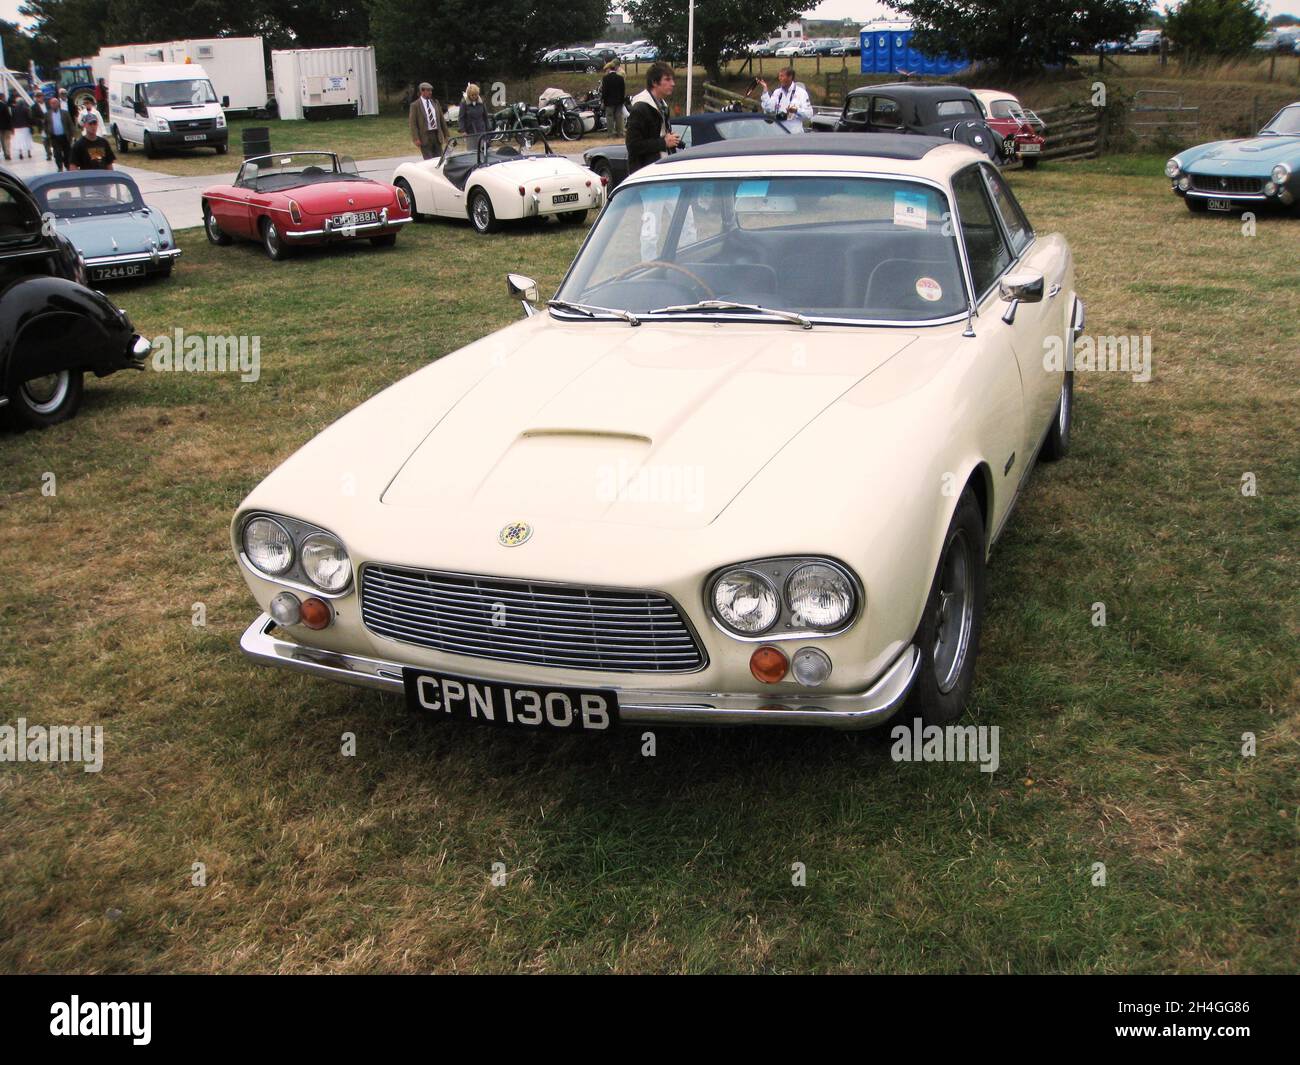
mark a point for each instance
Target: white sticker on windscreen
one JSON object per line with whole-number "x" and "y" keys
{"x": 909, "y": 209}
{"x": 929, "y": 289}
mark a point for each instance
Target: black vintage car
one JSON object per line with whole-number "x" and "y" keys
{"x": 610, "y": 160}
{"x": 572, "y": 59}
{"x": 53, "y": 329}
{"x": 907, "y": 107}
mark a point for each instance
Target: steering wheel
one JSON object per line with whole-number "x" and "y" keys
{"x": 650, "y": 264}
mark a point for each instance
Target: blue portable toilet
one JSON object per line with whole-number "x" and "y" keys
{"x": 887, "y": 49}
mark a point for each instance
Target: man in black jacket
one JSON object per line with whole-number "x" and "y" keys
{"x": 613, "y": 94}
{"x": 649, "y": 133}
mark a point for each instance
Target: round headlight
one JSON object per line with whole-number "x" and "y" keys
{"x": 820, "y": 596}
{"x": 268, "y": 546}
{"x": 745, "y": 602}
{"x": 1281, "y": 174}
{"x": 1172, "y": 167}
{"x": 1184, "y": 183}
{"x": 325, "y": 562}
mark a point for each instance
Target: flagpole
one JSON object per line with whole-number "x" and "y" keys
{"x": 690, "y": 54}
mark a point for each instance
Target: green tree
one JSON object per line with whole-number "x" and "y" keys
{"x": 1204, "y": 28}
{"x": 448, "y": 42}
{"x": 1021, "y": 37}
{"x": 722, "y": 27}
{"x": 66, "y": 28}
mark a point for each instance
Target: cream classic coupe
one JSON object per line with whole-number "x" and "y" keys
{"x": 745, "y": 468}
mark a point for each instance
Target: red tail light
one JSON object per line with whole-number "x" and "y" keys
{"x": 402, "y": 201}
{"x": 604, "y": 180}
{"x": 523, "y": 191}
{"x": 295, "y": 212}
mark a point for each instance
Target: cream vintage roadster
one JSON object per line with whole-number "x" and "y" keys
{"x": 746, "y": 467}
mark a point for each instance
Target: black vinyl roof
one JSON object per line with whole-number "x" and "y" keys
{"x": 916, "y": 89}
{"x": 855, "y": 145}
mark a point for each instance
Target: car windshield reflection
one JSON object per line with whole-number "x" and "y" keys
{"x": 856, "y": 249}
{"x": 1286, "y": 123}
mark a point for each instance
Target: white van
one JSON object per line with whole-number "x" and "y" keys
{"x": 164, "y": 105}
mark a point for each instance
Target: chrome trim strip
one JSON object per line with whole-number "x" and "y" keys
{"x": 1226, "y": 195}
{"x": 856, "y": 710}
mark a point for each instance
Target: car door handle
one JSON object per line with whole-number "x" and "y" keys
{"x": 1054, "y": 291}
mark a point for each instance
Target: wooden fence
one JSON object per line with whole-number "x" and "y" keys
{"x": 1073, "y": 132}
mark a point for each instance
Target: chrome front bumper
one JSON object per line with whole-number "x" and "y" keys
{"x": 857, "y": 710}
{"x": 156, "y": 256}
{"x": 347, "y": 232}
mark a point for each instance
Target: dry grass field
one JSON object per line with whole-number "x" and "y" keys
{"x": 1120, "y": 744}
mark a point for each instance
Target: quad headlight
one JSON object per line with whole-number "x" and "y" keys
{"x": 269, "y": 546}
{"x": 1173, "y": 168}
{"x": 296, "y": 553}
{"x": 325, "y": 562}
{"x": 783, "y": 597}
{"x": 746, "y": 602}
{"x": 1281, "y": 174}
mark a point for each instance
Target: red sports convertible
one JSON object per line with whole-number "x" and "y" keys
{"x": 293, "y": 198}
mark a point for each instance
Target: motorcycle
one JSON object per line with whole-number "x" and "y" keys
{"x": 559, "y": 115}
{"x": 593, "y": 103}
{"x": 521, "y": 120}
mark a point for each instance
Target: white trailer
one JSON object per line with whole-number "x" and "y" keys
{"x": 236, "y": 65}
{"x": 296, "y": 72}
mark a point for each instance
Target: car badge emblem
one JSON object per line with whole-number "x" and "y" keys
{"x": 1223, "y": 182}
{"x": 514, "y": 534}
{"x": 351, "y": 202}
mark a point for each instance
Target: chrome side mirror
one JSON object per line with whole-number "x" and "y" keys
{"x": 1026, "y": 287}
{"x": 1015, "y": 289}
{"x": 523, "y": 289}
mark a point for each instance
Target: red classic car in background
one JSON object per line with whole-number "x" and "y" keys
{"x": 293, "y": 198}
{"x": 1003, "y": 112}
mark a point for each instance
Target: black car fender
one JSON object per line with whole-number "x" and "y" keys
{"x": 48, "y": 324}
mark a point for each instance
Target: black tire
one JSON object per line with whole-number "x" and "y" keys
{"x": 216, "y": 235}
{"x": 45, "y": 401}
{"x": 273, "y": 242}
{"x": 1057, "y": 444}
{"x": 481, "y": 215}
{"x": 150, "y": 152}
{"x": 405, "y": 186}
{"x": 165, "y": 270}
{"x": 602, "y": 170}
{"x": 123, "y": 146}
{"x": 573, "y": 218}
{"x": 1029, "y": 162}
{"x": 1194, "y": 205}
{"x": 384, "y": 240}
{"x": 947, "y": 671}
{"x": 222, "y": 149}
{"x": 571, "y": 127}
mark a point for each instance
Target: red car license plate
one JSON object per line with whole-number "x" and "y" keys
{"x": 354, "y": 218}
{"x": 510, "y": 705}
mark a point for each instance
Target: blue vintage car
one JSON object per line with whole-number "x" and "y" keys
{"x": 101, "y": 212}
{"x": 1246, "y": 174}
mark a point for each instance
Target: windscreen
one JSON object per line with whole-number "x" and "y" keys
{"x": 833, "y": 247}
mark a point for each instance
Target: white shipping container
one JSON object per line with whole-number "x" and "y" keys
{"x": 290, "y": 66}
{"x": 236, "y": 65}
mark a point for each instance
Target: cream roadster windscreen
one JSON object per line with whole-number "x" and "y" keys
{"x": 825, "y": 247}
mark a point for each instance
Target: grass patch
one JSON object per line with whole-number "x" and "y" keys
{"x": 1119, "y": 744}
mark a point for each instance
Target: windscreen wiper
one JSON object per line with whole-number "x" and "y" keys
{"x": 728, "y": 305}
{"x": 595, "y": 312}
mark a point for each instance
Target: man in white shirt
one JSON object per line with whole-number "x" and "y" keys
{"x": 425, "y": 120}
{"x": 789, "y": 102}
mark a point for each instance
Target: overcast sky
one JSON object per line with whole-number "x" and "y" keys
{"x": 862, "y": 10}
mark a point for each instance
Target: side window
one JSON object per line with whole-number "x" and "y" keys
{"x": 857, "y": 106}
{"x": 885, "y": 112}
{"x": 685, "y": 133}
{"x": 1018, "y": 228}
{"x": 128, "y": 95}
{"x": 987, "y": 251}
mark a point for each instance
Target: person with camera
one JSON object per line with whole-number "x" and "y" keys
{"x": 789, "y": 102}
{"x": 649, "y": 133}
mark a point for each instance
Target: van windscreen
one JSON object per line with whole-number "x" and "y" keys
{"x": 187, "y": 92}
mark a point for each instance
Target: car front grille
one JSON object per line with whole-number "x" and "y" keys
{"x": 1210, "y": 183}
{"x": 531, "y": 622}
{"x": 189, "y": 125}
